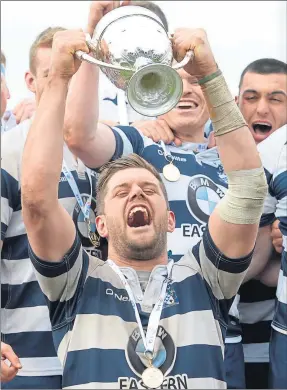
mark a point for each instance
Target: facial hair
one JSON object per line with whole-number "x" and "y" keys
{"x": 137, "y": 250}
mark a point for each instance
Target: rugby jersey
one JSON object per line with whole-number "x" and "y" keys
{"x": 273, "y": 153}
{"x": 256, "y": 309}
{"x": 25, "y": 323}
{"x": 257, "y": 301}
{"x": 193, "y": 197}
{"x": 95, "y": 329}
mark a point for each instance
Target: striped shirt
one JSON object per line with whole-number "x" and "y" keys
{"x": 95, "y": 329}
{"x": 257, "y": 301}
{"x": 194, "y": 196}
{"x": 256, "y": 309}
{"x": 273, "y": 152}
{"x": 25, "y": 323}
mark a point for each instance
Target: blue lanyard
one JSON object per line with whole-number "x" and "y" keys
{"x": 70, "y": 178}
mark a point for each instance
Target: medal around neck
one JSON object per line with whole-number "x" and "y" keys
{"x": 171, "y": 172}
{"x": 152, "y": 377}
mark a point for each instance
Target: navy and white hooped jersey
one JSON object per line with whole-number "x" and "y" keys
{"x": 95, "y": 330}
{"x": 273, "y": 153}
{"x": 25, "y": 323}
{"x": 194, "y": 196}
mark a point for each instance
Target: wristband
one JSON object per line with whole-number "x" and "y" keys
{"x": 209, "y": 77}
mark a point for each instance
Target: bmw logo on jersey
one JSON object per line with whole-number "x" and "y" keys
{"x": 202, "y": 197}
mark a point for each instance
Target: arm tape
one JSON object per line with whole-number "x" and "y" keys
{"x": 244, "y": 199}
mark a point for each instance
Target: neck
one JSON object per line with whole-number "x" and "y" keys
{"x": 186, "y": 135}
{"x": 137, "y": 265}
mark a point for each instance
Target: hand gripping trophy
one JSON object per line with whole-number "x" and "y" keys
{"x": 133, "y": 49}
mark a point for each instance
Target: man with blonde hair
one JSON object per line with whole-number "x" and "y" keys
{"x": 25, "y": 322}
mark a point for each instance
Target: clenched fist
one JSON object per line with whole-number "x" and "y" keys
{"x": 203, "y": 62}
{"x": 8, "y": 372}
{"x": 64, "y": 63}
{"x": 98, "y": 9}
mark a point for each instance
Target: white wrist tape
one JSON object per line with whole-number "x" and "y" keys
{"x": 243, "y": 201}
{"x": 224, "y": 113}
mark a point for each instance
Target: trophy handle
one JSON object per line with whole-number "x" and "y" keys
{"x": 188, "y": 57}
{"x": 81, "y": 55}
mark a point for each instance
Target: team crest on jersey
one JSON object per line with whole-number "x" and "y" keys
{"x": 171, "y": 298}
{"x": 165, "y": 352}
{"x": 82, "y": 228}
{"x": 202, "y": 197}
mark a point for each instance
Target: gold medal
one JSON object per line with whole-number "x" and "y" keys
{"x": 171, "y": 172}
{"x": 152, "y": 377}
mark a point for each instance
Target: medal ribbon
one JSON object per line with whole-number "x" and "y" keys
{"x": 70, "y": 178}
{"x": 166, "y": 153}
{"x": 153, "y": 323}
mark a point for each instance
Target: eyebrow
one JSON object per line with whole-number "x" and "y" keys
{"x": 249, "y": 91}
{"x": 279, "y": 92}
{"x": 141, "y": 184}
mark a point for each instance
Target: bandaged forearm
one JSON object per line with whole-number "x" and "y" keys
{"x": 243, "y": 201}
{"x": 224, "y": 112}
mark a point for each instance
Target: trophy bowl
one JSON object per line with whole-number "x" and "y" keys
{"x": 133, "y": 49}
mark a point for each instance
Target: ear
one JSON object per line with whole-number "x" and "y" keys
{"x": 101, "y": 225}
{"x": 30, "y": 81}
{"x": 236, "y": 99}
{"x": 171, "y": 222}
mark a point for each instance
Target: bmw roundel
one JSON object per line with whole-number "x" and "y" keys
{"x": 202, "y": 197}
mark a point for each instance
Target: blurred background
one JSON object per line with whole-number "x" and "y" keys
{"x": 239, "y": 31}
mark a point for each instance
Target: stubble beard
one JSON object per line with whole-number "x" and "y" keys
{"x": 138, "y": 250}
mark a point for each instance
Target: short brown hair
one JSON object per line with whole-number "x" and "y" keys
{"x": 3, "y": 58}
{"x": 126, "y": 162}
{"x": 153, "y": 8}
{"x": 44, "y": 39}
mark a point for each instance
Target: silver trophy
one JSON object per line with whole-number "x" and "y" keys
{"x": 133, "y": 49}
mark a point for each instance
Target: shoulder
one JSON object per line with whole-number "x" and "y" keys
{"x": 271, "y": 148}
{"x": 131, "y": 139}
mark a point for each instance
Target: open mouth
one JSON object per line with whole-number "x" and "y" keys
{"x": 261, "y": 127}
{"x": 138, "y": 217}
{"x": 187, "y": 105}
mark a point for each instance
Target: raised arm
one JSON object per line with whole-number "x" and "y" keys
{"x": 50, "y": 229}
{"x": 93, "y": 142}
{"x": 234, "y": 223}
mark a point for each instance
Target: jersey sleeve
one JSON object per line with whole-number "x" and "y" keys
{"x": 128, "y": 140}
{"x": 222, "y": 275}
{"x": 62, "y": 282}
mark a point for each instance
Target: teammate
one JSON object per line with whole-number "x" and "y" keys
{"x": 273, "y": 153}
{"x": 25, "y": 323}
{"x": 94, "y": 302}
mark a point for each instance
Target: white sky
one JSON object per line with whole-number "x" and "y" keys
{"x": 239, "y": 31}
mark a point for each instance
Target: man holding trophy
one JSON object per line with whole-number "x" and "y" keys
{"x": 138, "y": 320}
